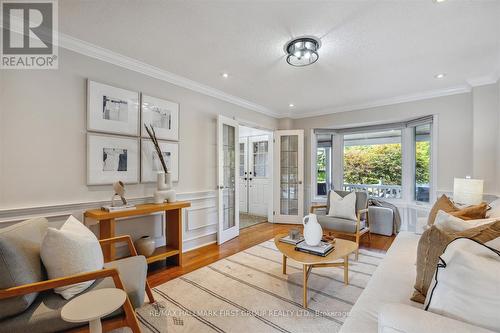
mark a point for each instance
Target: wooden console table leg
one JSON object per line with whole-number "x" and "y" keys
{"x": 173, "y": 226}
{"x": 304, "y": 287}
{"x": 107, "y": 230}
{"x": 284, "y": 264}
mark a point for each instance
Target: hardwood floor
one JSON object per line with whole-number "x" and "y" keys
{"x": 159, "y": 273}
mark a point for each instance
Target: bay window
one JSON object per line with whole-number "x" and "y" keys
{"x": 390, "y": 161}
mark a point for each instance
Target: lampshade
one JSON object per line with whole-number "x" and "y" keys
{"x": 468, "y": 191}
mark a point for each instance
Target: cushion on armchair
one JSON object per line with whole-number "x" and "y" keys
{"x": 20, "y": 262}
{"x": 361, "y": 199}
{"x": 338, "y": 224}
{"x": 71, "y": 250}
{"x": 342, "y": 207}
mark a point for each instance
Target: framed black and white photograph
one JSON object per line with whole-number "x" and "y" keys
{"x": 111, "y": 158}
{"x": 112, "y": 110}
{"x": 150, "y": 163}
{"x": 163, "y": 115}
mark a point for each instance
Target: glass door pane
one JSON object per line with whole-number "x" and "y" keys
{"x": 289, "y": 176}
{"x": 229, "y": 164}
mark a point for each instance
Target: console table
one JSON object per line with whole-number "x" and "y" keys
{"x": 173, "y": 228}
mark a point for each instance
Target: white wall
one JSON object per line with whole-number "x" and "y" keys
{"x": 485, "y": 125}
{"x": 43, "y": 131}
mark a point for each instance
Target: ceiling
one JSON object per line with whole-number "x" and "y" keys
{"x": 371, "y": 50}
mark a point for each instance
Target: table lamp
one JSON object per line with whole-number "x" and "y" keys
{"x": 467, "y": 191}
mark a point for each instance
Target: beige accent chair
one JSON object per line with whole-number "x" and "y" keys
{"x": 27, "y": 302}
{"x": 352, "y": 228}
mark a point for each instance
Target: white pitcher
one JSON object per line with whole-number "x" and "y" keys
{"x": 312, "y": 230}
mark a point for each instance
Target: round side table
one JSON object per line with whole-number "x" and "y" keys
{"x": 92, "y": 306}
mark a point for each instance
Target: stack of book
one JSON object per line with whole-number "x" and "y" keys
{"x": 118, "y": 208}
{"x": 323, "y": 249}
{"x": 293, "y": 241}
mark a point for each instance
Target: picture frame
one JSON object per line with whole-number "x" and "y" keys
{"x": 112, "y": 110}
{"x": 111, "y": 158}
{"x": 163, "y": 115}
{"x": 150, "y": 164}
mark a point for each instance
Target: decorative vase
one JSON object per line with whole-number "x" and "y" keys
{"x": 312, "y": 230}
{"x": 168, "y": 180}
{"x": 164, "y": 190}
{"x": 161, "y": 181}
{"x": 145, "y": 245}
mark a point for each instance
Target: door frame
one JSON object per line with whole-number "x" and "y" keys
{"x": 270, "y": 133}
{"x": 230, "y": 233}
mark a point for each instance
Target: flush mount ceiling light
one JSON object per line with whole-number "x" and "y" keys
{"x": 302, "y": 51}
{"x": 225, "y": 75}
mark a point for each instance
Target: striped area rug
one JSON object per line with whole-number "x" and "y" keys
{"x": 247, "y": 292}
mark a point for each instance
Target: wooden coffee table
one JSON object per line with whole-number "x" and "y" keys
{"x": 343, "y": 248}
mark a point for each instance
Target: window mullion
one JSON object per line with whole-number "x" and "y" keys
{"x": 408, "y": 163}
{"x": 338, "y": 161}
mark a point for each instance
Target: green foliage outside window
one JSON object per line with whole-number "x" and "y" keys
{"x": 321, "y": 166}
{"x": 372, "y": 164}
{"x": 422, "y": 159}
{"x": 382, "y": 163}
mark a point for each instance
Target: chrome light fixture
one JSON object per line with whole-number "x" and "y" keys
{"x": 302, "y": 51}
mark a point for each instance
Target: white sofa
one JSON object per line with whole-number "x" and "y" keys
{"x": 385, "y": 305}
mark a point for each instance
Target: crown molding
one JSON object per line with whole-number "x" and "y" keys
{"x": 483, "y": 80}
{"x": 93, "y": 51}
{"x": 103, "y": 54}
{"x": 388, "y": 101}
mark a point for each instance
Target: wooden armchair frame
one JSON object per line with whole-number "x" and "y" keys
{"x": 358, "y": 233}
{"x": 128, "y": 319}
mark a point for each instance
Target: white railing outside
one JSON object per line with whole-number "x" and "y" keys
{"x": 376, "y": 190}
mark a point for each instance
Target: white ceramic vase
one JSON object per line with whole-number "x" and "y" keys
{"x": 312, "y": 230}
{"x": 164, "y": 192}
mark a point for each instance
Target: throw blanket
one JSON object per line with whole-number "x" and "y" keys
{"x": 396, "y": 217}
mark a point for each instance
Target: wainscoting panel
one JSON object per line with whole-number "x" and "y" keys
{"x": 199, "y": 221}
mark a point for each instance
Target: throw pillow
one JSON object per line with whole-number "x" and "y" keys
{"x": 73, "y": 249}
{"x": 432, "y": 244}
{"x": 450, "y": 223}
{"x": 465, "y": 286}
{"x": 472, "y": 212}
{"x": 444, "y": 204}
{"x": 20, "y": 262}
{"x": 494, "y": 209}
{"x": 343, "y": 207}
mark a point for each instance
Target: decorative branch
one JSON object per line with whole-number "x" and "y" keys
{"x": 152, "y": 136}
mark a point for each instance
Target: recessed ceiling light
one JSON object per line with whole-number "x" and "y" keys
{"x": 291, "y": 105}
{"x": 440, "y": 75}
{"x": 225, "y": 75}
{"x": 438, "y": 1}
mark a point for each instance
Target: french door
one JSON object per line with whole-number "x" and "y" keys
{"x": 255, "y": 175}
{"x": 289, "y": 176}
{"x": 227, "y": 180}
{"x": 243, "y": 184}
